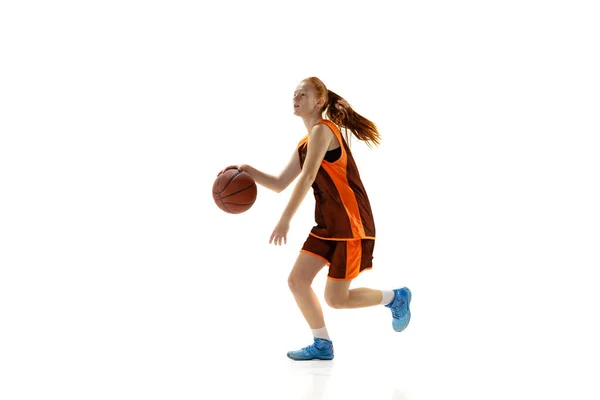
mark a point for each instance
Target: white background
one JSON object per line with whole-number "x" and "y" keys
{"x": 121, "y": 279}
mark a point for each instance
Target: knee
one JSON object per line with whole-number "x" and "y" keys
{"x": 335, "y": 300}
{"x": 297, "y": 284}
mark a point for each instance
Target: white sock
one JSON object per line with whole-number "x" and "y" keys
{"x": 387, "y": 296}
{"x": 321, "y": 333}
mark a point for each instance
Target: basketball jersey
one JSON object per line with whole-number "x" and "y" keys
{"x": 342, "y": 208}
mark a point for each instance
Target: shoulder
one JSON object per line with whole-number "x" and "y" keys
{"x": 321, "y": 130}
{"x": 321, "y": 136}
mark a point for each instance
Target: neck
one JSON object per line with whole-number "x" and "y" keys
{"x": 310, "y": 121}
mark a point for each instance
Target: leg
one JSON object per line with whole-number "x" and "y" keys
{"x": 338, "y": 295}
{"x": 305, "y": 269}
{"x": 300, "y": 280}
{"x": 348, "y": 260}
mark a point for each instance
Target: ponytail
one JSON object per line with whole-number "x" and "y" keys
{"x": 339, "y": 111}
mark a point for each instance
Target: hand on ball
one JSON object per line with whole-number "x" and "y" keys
{"x": 240, "y": 167}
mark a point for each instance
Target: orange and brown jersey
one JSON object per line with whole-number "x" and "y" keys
{"x": 342, "y": 208}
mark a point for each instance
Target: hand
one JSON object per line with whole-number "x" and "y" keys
{"x": 240, "y": 167}
{"x": 280, "y": 233}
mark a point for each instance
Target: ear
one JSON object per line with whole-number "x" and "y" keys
{"x": 321, "y": 102}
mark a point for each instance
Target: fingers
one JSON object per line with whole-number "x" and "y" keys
{"x": 277, "y": 239}
{"x": 228, "y": 168}
{"x": 271, "y": 238}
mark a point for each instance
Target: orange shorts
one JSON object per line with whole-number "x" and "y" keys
{"x": 346, "y": 258}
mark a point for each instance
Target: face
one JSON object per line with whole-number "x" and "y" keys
{"x": 306, "y": 101}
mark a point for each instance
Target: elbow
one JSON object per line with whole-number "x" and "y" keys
{"x": 279, "y": 186}
{"x": 307, "y": 180}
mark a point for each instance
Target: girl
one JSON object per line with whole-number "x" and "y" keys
{"x": 344, "y": 235}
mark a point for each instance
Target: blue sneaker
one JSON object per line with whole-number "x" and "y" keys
{"x": 400, "y": 307}
{"x": 321, "y": 349}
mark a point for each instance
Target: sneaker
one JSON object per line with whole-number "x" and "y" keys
{"x": 400, "y": 307}
{"x": 321, "y": 349}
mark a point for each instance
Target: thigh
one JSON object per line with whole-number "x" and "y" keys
{"x": 306, "y": 267}
{"x": 350, "y": 258}
{"x": 323, "y": 249}
{"x": 346, "y": 260}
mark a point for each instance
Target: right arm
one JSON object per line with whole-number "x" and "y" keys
{"x": 275, "y": 183}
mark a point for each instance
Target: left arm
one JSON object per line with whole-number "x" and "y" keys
{"x": 318, "y": 143}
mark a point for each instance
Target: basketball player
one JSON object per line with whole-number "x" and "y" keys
{"x": 344, "y": 235}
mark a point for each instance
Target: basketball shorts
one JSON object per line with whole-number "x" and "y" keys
{"x": 345, "y": 258}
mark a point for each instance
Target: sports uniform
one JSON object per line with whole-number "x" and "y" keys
{"x": 344, "y": 234}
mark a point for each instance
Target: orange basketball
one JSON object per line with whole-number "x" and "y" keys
{"x": 234, "y": 191}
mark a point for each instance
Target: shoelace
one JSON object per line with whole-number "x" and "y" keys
{"x": 308, "y": 349}
{"x": 311, "y": 349}
{"x": 400, "y": 311}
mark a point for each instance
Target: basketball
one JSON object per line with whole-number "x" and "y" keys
{"x": 234, "y": 191}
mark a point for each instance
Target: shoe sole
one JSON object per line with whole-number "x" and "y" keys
{"x": 310, "y": 359}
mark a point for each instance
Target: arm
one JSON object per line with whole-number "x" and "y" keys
{"x": 318, "y": 143}
{"x": 276, "y": 183}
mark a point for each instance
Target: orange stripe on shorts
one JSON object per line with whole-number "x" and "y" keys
{"x": 353, "y": 258}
